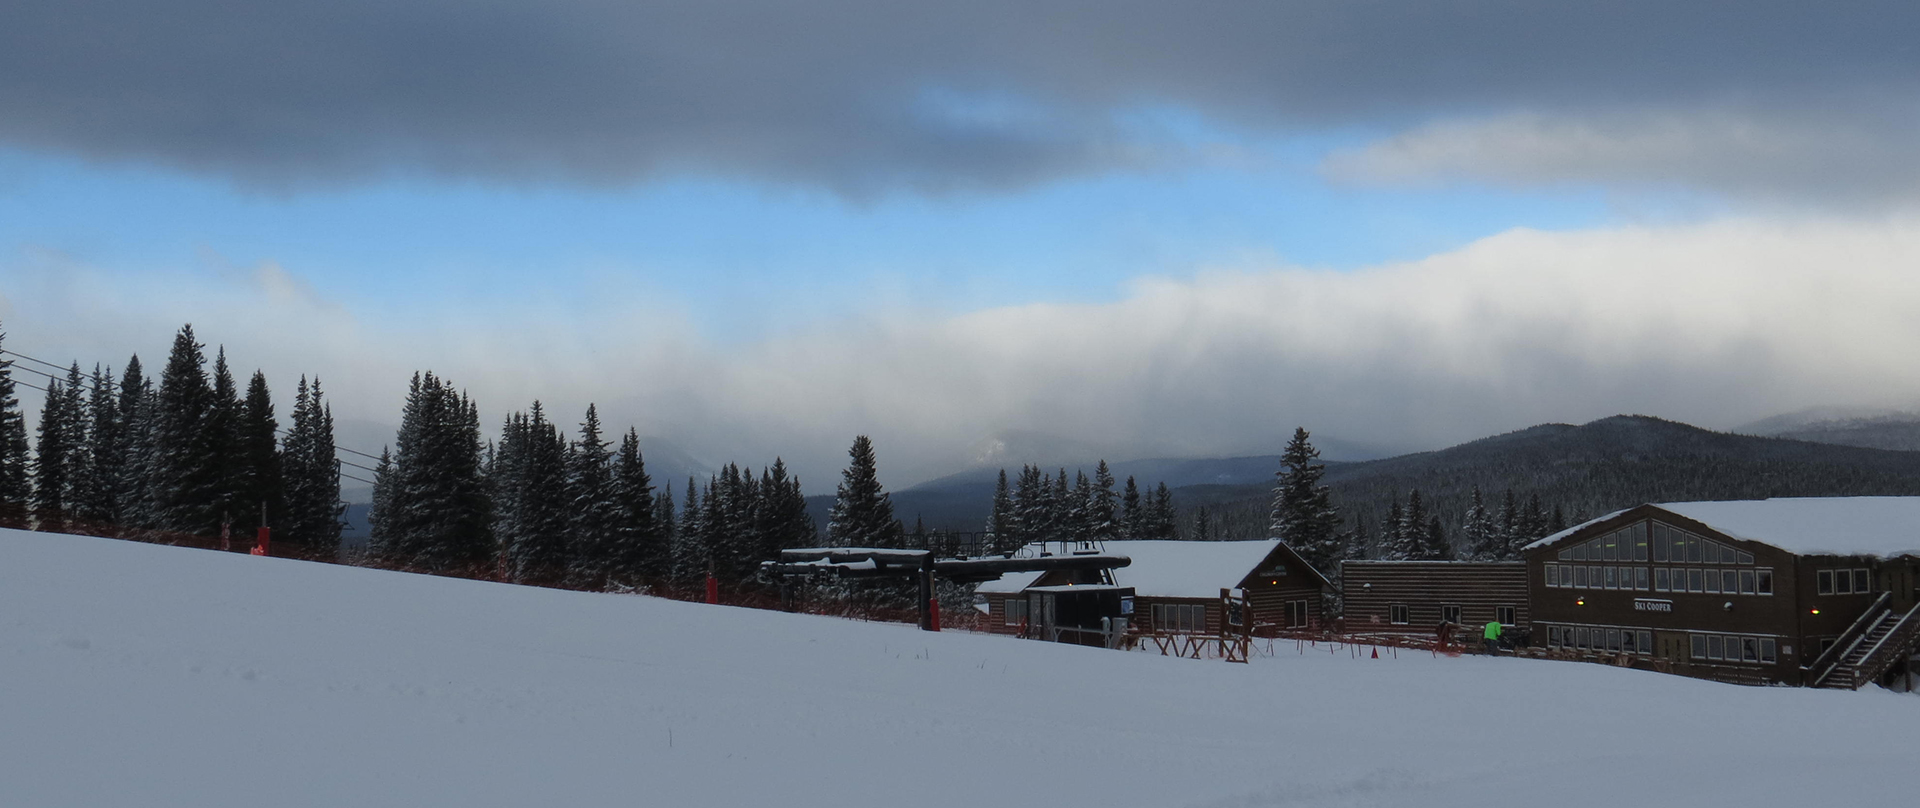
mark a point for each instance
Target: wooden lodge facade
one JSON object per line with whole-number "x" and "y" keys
{"x": 1818, "y": 591}
{"x": 1176, "y": 587}
{"x": 1415, "y": 597}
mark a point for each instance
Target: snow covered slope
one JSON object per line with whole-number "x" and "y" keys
{"x": 135, "y": 675}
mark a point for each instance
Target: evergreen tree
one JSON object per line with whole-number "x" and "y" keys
{"x": 665, "y": 534}
{"x": 1132, "y": 517}
{"x": 641, "y": 553}
{"x": 16, "y": 461}
{"x": 1410, "y": 536}
{"x": 689, "y": 545}
{"x": 260, "y": 453}
{"x": 440, "y": 507}
{"x": 1160, "y": 514}
{"x": 226, "y": 447}
{"x": 53, "y": 473}
{"x": 788, "y": 525}
{"x": 1433, "y": 545}
{"x": 1482, "y": 537}
{"x": 1061, "y": 516}
{"x": 183, "y": 470}
{"x": 137, "y": 497}
{"x": 1202, "y": 525}
{"x": 596, "y": 507}
{"x": 1509, "y": 523}
{"x": 1030, "y": 507}
{"x": 1359, "y": 540}
{"x": 862, "y": 514}
{"x": 99, "y": 492}
{"x": 1001, "y": 530}
{"x": 1393, "y": 545}
{"x": 380, "y": 511}
{"x": 1079, "y": 519}
{"x": 1100, "y": 519}
{"x": 1303, "y": 515}
{"x": 531, "y": 488}
{"x": 310, "y": 474}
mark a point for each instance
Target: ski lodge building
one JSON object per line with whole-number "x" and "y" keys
{"x": 1176, "y": 587}
{"x": 1414, "y": 597}
{"x": 1815, "y": 591}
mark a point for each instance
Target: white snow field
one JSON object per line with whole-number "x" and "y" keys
{"x": 137, "y": 675}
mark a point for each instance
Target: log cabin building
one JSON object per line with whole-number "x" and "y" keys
{"x": 1176, "y": 587}
{"x": 1804, "y": 591}
{"x": 1415, "y": 597}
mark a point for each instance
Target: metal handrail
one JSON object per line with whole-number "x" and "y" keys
{"x": 1857, "y": 631}
{"x": 1868, "y": 663}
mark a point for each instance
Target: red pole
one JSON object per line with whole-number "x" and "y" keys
{"x": 713, "y": 589}
{"x": 933, "y": 611}
{"x": 262, "y": 540}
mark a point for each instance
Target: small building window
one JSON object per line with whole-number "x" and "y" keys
{"x": 1862, "y": 582}
{"x": 1613, "y": 639}
{"x": 1763, "y": 581}
{"x": 1553, "y": 636}
{"x": 1769, "y": 651}
{"x": 1397, "y": 614}
{"x": 1016, "y": 611}
{"x": 1450, "y": 614}
{"x": 1699, "y": 645}
{"x": 1501, "y": 614}
{"x": 1823, "y": 582}
{"x": 1646, "y": 642}
{"x": 1552, "y": 575}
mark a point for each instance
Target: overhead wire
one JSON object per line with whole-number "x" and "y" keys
{"x": 53, "y": 378}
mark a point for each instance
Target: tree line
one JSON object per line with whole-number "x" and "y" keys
{"x": 1040, "y": 506}
{"x": 541, "y": 506}
{"x": 191, "y": 454}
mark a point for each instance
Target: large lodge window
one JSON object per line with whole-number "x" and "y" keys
{"x": 1722, "y": 648}
{"x": 1179, "y": 617}
{"x": 1600, "y": 639}
{"x": 1844, "y": 582}
{"x": 1661, "y": 543}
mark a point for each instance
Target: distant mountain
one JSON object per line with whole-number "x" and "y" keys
{"x": 1875, "y": 429}
{"x": 1591, "y": 469}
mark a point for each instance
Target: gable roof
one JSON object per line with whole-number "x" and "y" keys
{"x": 1173, "y": 569}
{"x": 1844, "y": 526}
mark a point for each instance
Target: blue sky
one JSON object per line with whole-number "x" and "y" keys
{"x": 741, "y": 257}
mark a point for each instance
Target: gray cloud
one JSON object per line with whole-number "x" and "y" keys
{"x": 868, "y": 96}
{"x": 1716, "y": 324}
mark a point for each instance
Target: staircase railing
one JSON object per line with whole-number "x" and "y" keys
{"x": 1824, "y": 665}
{"x": 1897, "y": 641}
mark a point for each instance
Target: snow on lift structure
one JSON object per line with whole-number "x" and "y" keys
{"x": 924, "y": 565}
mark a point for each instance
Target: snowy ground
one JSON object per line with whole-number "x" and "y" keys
{"x": 135, "y": 675}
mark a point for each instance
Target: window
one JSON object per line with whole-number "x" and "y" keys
{"x": 1662, "y": 543}
{"x": 1746, "y": 557}
{"x": 1699, "y": 646}
{"x": 1646, "y": 642}
{"x": 1397, "y": 614}
{"x": 1746, "y": 582}
{"x": 1297, "y": 613}
{"x": 1593, "y": 577}
{"x": 1612, "y": 583}
{"x": 1179, "y": 617}
{"x": 1659, "y": 579}
{"x": 1583, "y": 551}
{"x": 1450, "y": 614}
{"x": 1016, "y": 611}
{"x": 1640, "y": 542}
{"x": 1823, "y": 582}
{"x": 1763, "y": 581}
{"x": 1749, "y": 650}
{"x": 1613, "y": 639}
{"x": 1693, "y": 548}
{"x": 1729, "y": 581}
{"x": 1842, "y": 583}
{"x": 1862, "y": 582}
{"x": 1553, "y": 575}
{"x": 1640, "y": 578}
{"x": 1713, "y": 580}
{"x": 1716, "y": 647}
{"x": 1553, "y": 636}
{"x": 1696, "y": 581}
{"x": 1567, "y": 554}
{"x": 1582, "y": 635}
{"x": 1503, "y": 615}
{"x": 1768, "y": 650}
{"x": 1580, "y": 577}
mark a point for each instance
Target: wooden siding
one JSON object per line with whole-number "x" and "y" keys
{"x": 1371, "y": 588}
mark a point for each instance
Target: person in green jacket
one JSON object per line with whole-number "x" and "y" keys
{"x": 1490, "y": 637}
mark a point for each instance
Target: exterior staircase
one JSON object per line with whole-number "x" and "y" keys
{"x": 1880, "y": 638}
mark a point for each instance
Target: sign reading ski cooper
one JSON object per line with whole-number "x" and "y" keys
{"x": 1652, "y": 605}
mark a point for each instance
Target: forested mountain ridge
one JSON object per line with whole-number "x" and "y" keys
{"x": 1587, "y": 470}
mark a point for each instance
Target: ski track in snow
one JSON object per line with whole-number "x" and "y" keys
{"x": 140, "y": 675}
